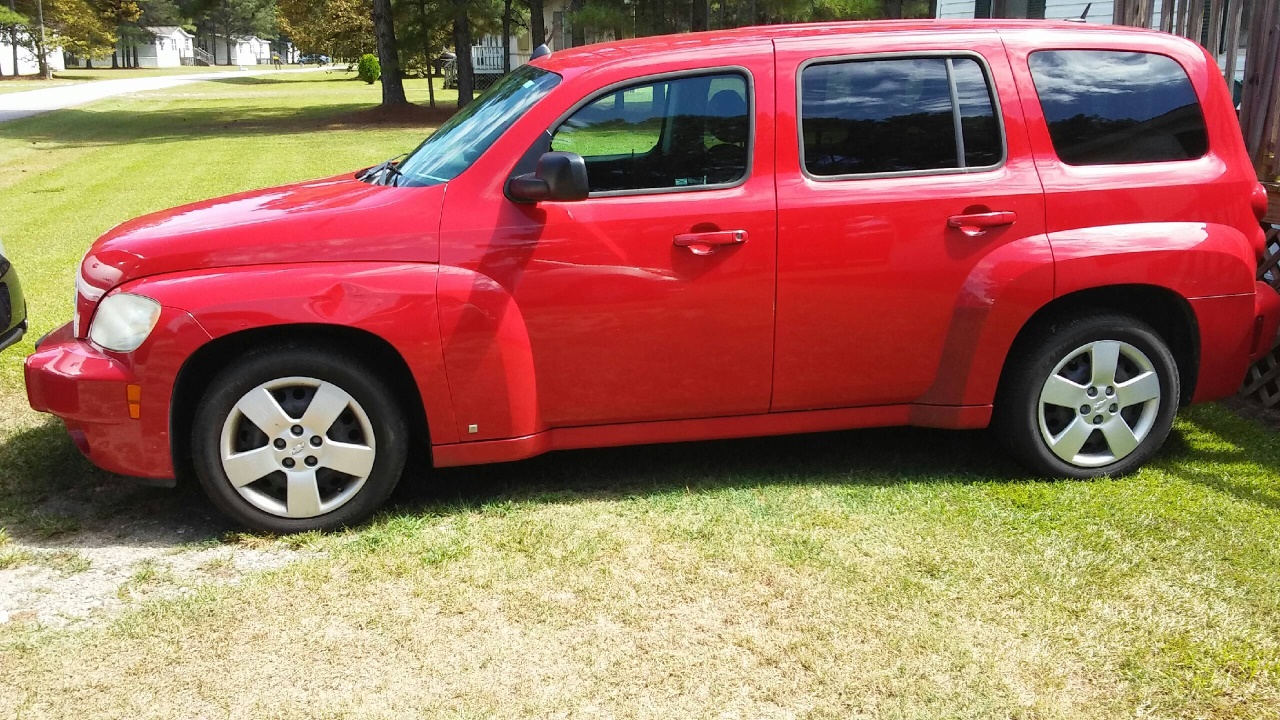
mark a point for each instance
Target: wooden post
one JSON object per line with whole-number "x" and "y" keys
{"x": 1196, "y": 20}
{"x": 1231, "y": 45}
{"x": 1214, "y": 45}
{"x": 1166, "y": 15}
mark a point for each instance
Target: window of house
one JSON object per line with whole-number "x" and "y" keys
{"x": 677, "y": 133}
{"x": 1105, "y": 107}
{"x": 863, "y": 117}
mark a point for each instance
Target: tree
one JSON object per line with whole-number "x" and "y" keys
{"x": 76, "y": 26}
{"x": 537, "y": 22}
{"x": 338, "y": 28}
{"x": 11, "y": 23}
{"x": 388, "y": 55}
{"x": 462, "y": 46}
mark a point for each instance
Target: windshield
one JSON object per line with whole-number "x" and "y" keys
{"x": 466, "y": 135}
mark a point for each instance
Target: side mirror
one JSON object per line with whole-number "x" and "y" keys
{"x": 560, "y": 176}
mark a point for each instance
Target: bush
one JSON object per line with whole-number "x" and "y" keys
{"x": 369, "y": 69}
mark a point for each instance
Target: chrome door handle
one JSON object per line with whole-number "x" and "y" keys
{"x": 975, "y": 224}
{"x": 705, "y": 243}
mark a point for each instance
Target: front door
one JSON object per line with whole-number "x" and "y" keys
{"x": 903, "y": 175}
{"x": 652, "y": 299}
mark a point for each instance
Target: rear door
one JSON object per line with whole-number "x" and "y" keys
{"x": 902, "y": 167}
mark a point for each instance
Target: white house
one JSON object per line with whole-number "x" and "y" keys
{"x": 170, "y": 46}
{"x": 1099, "y": 12}
{"x": 27, "y": 62}
{"x": 248, "y": 50}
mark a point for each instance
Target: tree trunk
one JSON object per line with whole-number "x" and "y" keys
{"x": 462, "y": 47}
{"x": 506, "y": 36}
{"x": 893, "y": 9}
{"x": 576, "y": 29}
{"x": 701, "y": 15}
{"x": 13, "y": 43}
{"x": 426, "y": 53}
{"x": 537, "y": 23}
{"x": 388, "y": 55}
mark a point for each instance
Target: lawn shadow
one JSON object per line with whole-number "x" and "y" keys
{"x": 87, "y": 127}
{"x": 1209, "y": 464}
{"x": 45, "y": 483}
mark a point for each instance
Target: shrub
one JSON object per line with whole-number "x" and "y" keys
{"x": 369, "y": 70}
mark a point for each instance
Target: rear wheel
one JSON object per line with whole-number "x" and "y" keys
{"x": 1088, "y": 397}
{"x": 293, "y": 439}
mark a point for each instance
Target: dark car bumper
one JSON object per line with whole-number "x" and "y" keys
{"x": 13, "y": 307}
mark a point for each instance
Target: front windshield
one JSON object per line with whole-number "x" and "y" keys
{"x": 443, "y": 156}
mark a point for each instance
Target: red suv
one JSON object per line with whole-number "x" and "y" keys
{"x": 1049, "y": 228}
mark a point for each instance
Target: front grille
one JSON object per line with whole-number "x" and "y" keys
{"x": 6, "y": 307}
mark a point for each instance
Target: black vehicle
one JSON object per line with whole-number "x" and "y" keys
{"x": 13, "y": 309}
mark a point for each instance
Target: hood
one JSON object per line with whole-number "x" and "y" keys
{"x": 338, "y": 219}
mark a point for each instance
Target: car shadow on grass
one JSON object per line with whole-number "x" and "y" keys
{"x": 51, "y": 497}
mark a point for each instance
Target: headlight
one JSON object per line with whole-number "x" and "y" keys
{"x": 123, "y": 321}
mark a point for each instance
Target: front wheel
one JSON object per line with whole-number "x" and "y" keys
{"x": 1088, "y": 397}
{"x": 292, "y": 439}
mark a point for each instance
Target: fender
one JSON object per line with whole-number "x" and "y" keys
{"x": 393, "y": 301}
{"x": 1002, "y": 293}
{"x": 1194, "y": 260}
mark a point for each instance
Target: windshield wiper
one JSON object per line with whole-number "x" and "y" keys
{"x": 384, "y": 173}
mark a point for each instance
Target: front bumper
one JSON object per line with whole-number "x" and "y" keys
{"x": 89, "y": 389}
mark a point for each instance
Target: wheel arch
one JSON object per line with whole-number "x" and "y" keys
{"x": 198, "y": 370}
{"x": 1170, "y": 314}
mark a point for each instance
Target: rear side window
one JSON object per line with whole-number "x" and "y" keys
{"x": 1106, "y": 107}
{"x": 898, "y": 115}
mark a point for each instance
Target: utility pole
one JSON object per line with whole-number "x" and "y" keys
{"x": 44, "y": 49}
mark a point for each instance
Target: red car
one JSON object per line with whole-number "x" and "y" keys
{"x": 1049, "y": 228}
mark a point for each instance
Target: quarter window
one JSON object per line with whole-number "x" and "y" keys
{"x": 678, "y": 133}
{"x": 1105, "y": 107}
{"x": 897, "y": 115}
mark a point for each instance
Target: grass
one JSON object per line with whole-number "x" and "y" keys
{"x": 886, "y": 574}
{"x": 71, "y": 76}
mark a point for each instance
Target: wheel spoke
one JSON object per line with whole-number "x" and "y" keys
{"x": 1138, "y": 390}
{"x": 326, "y": 405}
{"x": 351, "y": 459}
{"x": 1104, "y": 355}
{"x": 1119, "y": 437}
{"x": 246, "y": 467}
{"x": 1068, "y": 442}
{"x": 263, "y": 410}
{"x": 303, "y": 495}
{"x": 1062, "y": 392}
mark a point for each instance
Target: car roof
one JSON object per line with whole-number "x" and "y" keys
{"x": 594, "y": 55}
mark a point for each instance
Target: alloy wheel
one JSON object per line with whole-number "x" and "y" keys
{"x": 1099, "y": 403}
{"x": 297, "y": 447}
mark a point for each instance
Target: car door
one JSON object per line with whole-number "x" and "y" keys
{"x": 652, "y": 299}
{"x": 891, "y": 196}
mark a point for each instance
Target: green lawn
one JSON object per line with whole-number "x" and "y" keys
{"x": 880, "y": 574}
{"x": 71, "y": 76}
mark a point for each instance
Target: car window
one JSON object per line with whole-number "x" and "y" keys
{"x": 676, "y": 133}
{"x": 921, "y": 114}
{"x": 1106, "y": 107}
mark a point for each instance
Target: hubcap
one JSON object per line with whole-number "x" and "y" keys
{"x": 297, "y": 447}
{"x": 1099, "y": 403}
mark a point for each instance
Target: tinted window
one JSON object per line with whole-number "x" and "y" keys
{"x": 676, "y": 133}
{"x": 1107, "y": 107}
{"x": 897, "y": 115}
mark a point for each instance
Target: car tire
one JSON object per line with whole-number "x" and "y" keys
{"x": 336, "y": 472}
{"x": 1088, "y": 397}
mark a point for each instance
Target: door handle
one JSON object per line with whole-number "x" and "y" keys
{"x": 705, "y": 243}
{"x": 975, "y": 224}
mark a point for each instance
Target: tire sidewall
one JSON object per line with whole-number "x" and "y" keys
{"x": 385, "y": 416}
{"x": 1023, "y": 429}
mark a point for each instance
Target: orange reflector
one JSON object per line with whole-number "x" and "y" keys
{"x": 134, "y": 394}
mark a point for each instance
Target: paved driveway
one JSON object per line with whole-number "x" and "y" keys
{"x": 33, "y": 102}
